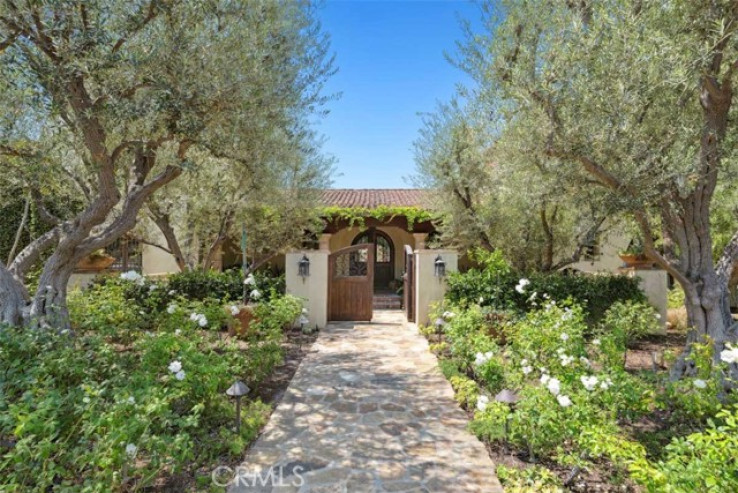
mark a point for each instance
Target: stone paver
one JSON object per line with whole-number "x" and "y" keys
{"x": 368, "y": 411}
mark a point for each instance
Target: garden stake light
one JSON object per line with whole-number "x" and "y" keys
{"x": 510, "y": 398}
{"x": 238, "y": 390}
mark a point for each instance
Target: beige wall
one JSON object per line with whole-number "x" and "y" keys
{"x": 429, "y": 288}
{"x": 654, "y": 282}
{"x": 156, "y": 261}
{"x": 399, "y": 237}
{"x": 313, "y": 290}
{"x": 608, "y": 260}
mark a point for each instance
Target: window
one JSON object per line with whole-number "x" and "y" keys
{"x": 383, "y": 252}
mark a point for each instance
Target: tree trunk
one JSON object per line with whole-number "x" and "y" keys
{"x": 162, "y": 221}
{"x": 49, "y": 304}
{"x": 19, "y": 231}
{"x": 12, "y": 298}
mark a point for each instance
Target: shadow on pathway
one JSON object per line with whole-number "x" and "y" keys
{"x": 368, "y": 411}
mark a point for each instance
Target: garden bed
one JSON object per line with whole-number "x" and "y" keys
{"x": 588, "y": 404}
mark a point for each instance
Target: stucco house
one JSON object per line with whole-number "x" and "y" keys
{"x": 395, "y": 222}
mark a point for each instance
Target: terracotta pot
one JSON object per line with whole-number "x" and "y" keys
{"x": 635, "y": 260}
{"x": 95, "y": 263}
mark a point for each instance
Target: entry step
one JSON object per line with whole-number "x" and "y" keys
{"x": 387, "y": 302}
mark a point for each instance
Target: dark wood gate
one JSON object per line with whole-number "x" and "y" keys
{"x": 351, "y": 283}
{"x": 408, "y": 291}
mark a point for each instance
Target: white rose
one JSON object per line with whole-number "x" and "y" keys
{"x": 564, "y": 400}
{"x": 175, "y": 366}
{"x": 700, "y": 384}
{"x": 180, "y": 375}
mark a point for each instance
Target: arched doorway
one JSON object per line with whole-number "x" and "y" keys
{"x": 384, "y": 257}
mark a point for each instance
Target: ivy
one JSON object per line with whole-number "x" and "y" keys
{"x": 357, "y": 216}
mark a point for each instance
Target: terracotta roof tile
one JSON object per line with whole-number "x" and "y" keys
{"x": 371, "y": 198}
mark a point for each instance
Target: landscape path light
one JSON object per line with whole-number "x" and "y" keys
{"x": 509, "y": 397}
{"x": 238, "y": 390}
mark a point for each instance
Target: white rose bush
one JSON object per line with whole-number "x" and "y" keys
{"x": 576, "y": 398}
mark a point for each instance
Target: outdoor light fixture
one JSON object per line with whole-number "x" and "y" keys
{"x": 507, "y": 396}
{"x": 440, "y": 267}
{"x": 303, "y": 267}
{"x": 238, "y": 390}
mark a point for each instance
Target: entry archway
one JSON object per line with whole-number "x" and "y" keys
{"x": 384, "y": 257}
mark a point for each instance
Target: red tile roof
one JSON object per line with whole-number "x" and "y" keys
{"x": 371, "y": 198}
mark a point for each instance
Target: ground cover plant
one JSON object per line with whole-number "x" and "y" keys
{"x": 133, "y": 395}
{"x": 582, "y": 418}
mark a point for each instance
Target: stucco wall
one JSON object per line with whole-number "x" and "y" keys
{"x": 155, "y": 261}
{"x": 399, "y": 237}
{"x": 429, "y": 288}
{"x": 608, "y": 260}
{"x": 313, "y": 290}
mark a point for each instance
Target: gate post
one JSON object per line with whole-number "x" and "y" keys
{"x": 430, "y": 289}
{"x": 312, "y": 289}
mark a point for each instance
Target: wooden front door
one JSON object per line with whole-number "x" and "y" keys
{"x": 351, "y": 283}
{"x": 409, "y": 284}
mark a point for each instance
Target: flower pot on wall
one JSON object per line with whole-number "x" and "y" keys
{"x": 637, "y": 260}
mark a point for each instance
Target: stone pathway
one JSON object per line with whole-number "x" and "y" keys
{"x": 368, "y": 411}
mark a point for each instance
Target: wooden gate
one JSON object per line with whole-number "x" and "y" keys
{"x": 408, "y": 291}
{"x": 351, "y": 283}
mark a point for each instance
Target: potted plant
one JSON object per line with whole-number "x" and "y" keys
{"x": 634, "y": 255}
{"x": 96, "y": 261}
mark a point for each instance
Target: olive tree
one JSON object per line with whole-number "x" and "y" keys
{"x": 489, "y": 197}
{"x": 634, "y": 100}
{"x": 134, "y": 94}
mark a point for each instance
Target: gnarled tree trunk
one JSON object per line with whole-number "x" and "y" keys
{"x": 12, "y": 298}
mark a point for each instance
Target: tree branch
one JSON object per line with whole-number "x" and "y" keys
{"x": 152, "y": 12}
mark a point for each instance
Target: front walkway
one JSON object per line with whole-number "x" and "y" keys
{"x": 369, "y": 411}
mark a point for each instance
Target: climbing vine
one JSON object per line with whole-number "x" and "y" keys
{"x": 356, "y": 216}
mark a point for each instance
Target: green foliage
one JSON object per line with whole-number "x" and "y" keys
{"x": 76, "y": 408}
{"x": 466, "y": 389}
{"x": 624, "y": 323}
{"x": 676, "y": 297}
{"x": 530, "y": 479}
{"x": 704, "y": 461}
{"x": 356, "y": 216}
{"x": 107, "y": 410}
{"x": 494, "y": 285}
{"x": 576, "y": 400}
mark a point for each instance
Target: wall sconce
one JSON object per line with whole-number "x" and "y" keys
{"x": 303, "y": 267}
{"x": 440, "y": 267}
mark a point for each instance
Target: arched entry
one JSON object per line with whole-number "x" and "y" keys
{"x": 384, "y": 257}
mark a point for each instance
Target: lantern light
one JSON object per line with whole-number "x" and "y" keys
{"x": 303, "y": 267}
{"x": 440, "y": 267}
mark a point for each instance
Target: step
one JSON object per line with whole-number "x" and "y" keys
{"x": 387, "y": 302}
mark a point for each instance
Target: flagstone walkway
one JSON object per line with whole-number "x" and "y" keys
{"x": 368, "y": 411}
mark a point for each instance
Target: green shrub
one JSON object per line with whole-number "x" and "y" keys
{"x": 529, "y": 479}
{"x": 137, "y": 394}
{"x": 88, "y": 415}
{"x": 226, "y": 286}
{"x": 467, "y": 390}
{"x": 624, "y": 323}
{"x": 494, "y": 283}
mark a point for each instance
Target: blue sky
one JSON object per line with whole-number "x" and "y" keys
{"x": 391, "y": 66}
